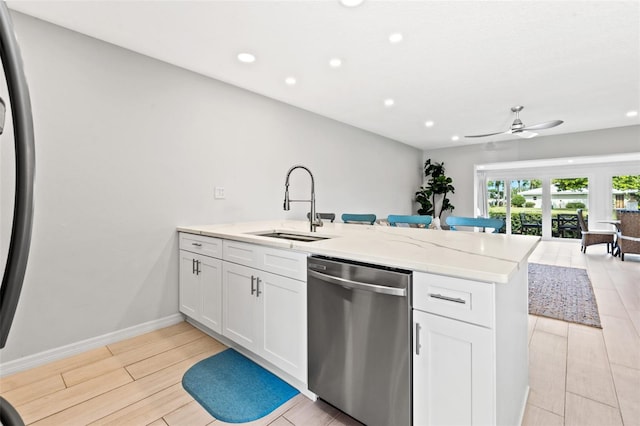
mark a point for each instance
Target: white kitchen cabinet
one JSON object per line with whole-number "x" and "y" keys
{"x": 452, "y": 370}
{"x": 240, "y": 305}
{"x": 201, "y": 289}
{"x": 284, "y": 323}
{"x": 470, "y": 356}
{"x": 201, "y": 279}
{"x": 211, "y": 291}
{"x": 189, "y": 285}
{"x": 266, "y": 313}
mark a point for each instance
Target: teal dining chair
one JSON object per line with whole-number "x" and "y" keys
{"x": 478, "y": 222}
{"x": 394, "y": 219}
{"x": 359, "y": 218}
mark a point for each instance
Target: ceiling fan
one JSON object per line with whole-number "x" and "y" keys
{"x": 518, "y": 127}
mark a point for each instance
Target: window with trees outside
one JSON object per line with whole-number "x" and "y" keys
{"x": 525, "y": 205}
{"x": 625, "y": 191}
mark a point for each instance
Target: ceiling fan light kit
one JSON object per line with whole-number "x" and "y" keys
{"x": 518, "y": 128}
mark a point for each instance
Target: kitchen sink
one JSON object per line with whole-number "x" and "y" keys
{"x": 283, "y": 235}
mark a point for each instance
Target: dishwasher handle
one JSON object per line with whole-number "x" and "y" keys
{"x": 374, "y": 288}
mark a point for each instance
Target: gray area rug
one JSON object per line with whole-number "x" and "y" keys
{"x": 562, "y": 293}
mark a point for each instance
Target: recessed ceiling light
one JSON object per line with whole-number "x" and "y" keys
{"x": 455, "y": 138}
{"x": 335, "y": 62}
{"x": 290, "y": 81}
{"x": 395, "y": 38}
{"x": 429, "y": 123}
{"x": 351, "y": 3}
{"x": 569, "y": 161}
{"x": 632, "y": 113}
{"x": 247, "y": 58}
{"x": 389, "y": 102}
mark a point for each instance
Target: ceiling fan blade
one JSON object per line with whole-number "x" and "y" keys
{"x": 525, "y": 134}
{"x": 545, "y": 125}
{"x": 489, "y": 134}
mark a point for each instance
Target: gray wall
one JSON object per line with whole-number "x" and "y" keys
{"x": 459, "y": 161}
{"x": 129, "y": 147}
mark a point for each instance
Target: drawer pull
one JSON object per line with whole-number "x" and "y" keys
{"x": 197, "y": 244}
{"x": 448, "y": 299}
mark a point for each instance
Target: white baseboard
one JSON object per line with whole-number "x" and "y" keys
{"x": 35, "y": 360}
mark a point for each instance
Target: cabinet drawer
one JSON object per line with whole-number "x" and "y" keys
{"x": 464, "y": 300}
{"x": 282, "y": 262}
{"x": 207, "y": 246}
{"x": 241, "y": 253}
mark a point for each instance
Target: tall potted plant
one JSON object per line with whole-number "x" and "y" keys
{"x": 432, "y": 197}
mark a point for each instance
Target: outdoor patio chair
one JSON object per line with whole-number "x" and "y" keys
{"x": 527, "y": 224}
{"x": 590, "y": 238}
{"x": 568, "y": 225}
{"x": 629, "y": 238}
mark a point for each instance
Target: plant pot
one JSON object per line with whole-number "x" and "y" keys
{"x": 435, "y": 224}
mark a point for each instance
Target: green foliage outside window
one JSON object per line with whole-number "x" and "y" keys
{"x": 518, "y": 200}
{"x": 574, "y": 184}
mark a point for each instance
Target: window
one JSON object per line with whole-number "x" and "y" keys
{"x": 625, "y": 191}
{"x": 567, "y": 196}
{"x": 554, "y": 189}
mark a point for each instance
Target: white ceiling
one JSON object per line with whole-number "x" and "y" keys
{"x": 461, "y": 64}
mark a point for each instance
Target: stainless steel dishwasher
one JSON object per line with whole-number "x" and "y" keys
{"x": 359, "y": 339}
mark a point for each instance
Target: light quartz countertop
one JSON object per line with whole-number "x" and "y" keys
{"x": 469, "y": 255}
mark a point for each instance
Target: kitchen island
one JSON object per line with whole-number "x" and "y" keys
{"x": 468, "y": 306}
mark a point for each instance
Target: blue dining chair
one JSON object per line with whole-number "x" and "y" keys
{"x": 394, "y": 219}
{"x": 479, "y": 222}
{"x": 359, "y": 218}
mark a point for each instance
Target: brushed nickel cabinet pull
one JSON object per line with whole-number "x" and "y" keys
{"x": 197, "y": 244}
{"x": 258, "y": 292}
{"x": 253, "y": 289}
{"x": 447, "y": 298}
{"x": 417, "y": 338}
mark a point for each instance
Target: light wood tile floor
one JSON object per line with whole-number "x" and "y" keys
{"x": 582, "y": 375}
{"x": 579, "y": 375}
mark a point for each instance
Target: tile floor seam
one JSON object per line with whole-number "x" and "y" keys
{"x": 594, "y": 400}
{"x": 80, "y": 402}
{"x": 533, "y": 404}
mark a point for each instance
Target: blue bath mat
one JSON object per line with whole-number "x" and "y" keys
{"x": 234, "y": 389}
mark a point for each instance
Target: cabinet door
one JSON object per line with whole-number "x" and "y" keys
{"x": 284, "y": 323}
{"x": 189, "y": 285}
{"x": 453, "y": 368}
{"x": 210, "y": 273}
{"x": 239, "y": 305}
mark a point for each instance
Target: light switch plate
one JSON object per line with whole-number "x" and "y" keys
{"x": 218, "y": 193}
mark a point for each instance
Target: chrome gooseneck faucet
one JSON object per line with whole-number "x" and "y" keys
{"x": 314, "y": 221}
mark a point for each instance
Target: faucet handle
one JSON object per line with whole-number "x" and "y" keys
{"x": 318, "y": 220}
